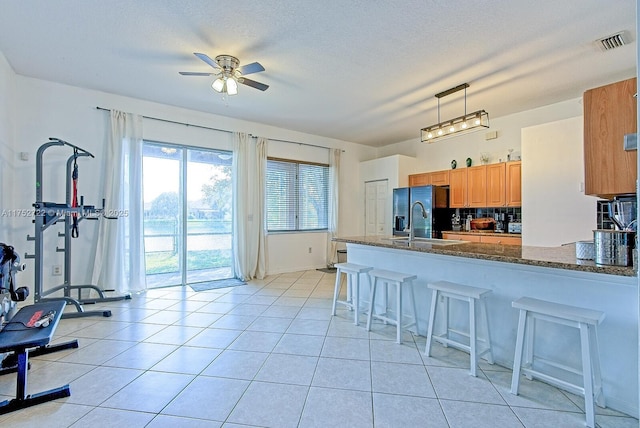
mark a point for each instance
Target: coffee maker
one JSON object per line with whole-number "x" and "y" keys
{"x": 623, "y": 212}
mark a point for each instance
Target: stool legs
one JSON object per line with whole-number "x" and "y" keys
{"x": 353, "y": 294}
{"x": 485, "y": 324}
{"x": 517, "y": 363}
{"x": 336, "y": 291}
{"x": 399, "y": 305}
{"x": 597, "y": 376}
{"x": 355, "y": 301}
{"x": 432, "y": 319}
{"x": 372, "y": 299}
{"x": 399, "y": 309}
{"x": 587, "y": 375}
{"x": 472, "y": 336}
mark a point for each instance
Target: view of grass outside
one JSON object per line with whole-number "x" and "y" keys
{"x": 163, "y": 235}
{"x": 207, "y": 200}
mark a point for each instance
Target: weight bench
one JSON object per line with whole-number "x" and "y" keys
{"x": 18, "y": 337}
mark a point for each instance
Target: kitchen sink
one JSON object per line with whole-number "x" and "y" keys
{"x": 419, "y": 241}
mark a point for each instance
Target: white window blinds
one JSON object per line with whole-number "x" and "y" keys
{"x": 297, "y": 196}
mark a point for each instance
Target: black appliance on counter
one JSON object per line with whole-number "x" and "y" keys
{"x": 436, "y": 203}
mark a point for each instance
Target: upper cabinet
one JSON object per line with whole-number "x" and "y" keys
{"x": 458, "y": 188}
{"x": 436, "y": 178}
{"x": 477, "y": 186}
{"x": 513, "y": 191}
{"x": 609, "y": 113}
{"x": 468, "y": 187}
{"x": 423, "y": 179}
{"x": 440, "y": 178}
{"x": 496, "y": 185}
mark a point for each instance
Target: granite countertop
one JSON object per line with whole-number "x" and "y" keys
{"x": 563, "y": 257}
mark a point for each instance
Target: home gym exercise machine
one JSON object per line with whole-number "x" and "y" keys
{"x": 25, "y": 333}
{"x": 72, "y": 212}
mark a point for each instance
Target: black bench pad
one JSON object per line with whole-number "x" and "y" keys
{"x": 17, "y": 337}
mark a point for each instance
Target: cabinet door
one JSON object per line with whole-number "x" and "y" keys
{"x": 514, "y": 184}
{"x": 461, "y": 237}
{"x": 504, "y": 240}
{"x": 458, "y": 188}
{"x": 609, "y": 114}
{"x": 423, "y": 179}
{"x": 496, "y": 185}
{"x": 440, "y": 178}
{"x": 477, "y": 186}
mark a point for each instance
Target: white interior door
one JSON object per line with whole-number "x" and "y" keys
{"x": 376, "y": 199}
{"x": 382, "y": 198}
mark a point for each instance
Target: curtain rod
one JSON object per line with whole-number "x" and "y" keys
{"x": 218, "y": 129}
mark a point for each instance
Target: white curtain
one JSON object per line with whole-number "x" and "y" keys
{"x": 119, "y": 263}
{"x": 249, "y": 175}
{"x": 334, "y": 197}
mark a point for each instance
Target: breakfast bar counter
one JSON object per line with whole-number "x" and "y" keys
{"x": 563, "y": 257}
{"x": 511, "y": 272}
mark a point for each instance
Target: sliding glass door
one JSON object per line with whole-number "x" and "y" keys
{"x": 187, "y": 205}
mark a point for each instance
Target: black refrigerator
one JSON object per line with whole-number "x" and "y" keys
{"x": 436, "y": 203}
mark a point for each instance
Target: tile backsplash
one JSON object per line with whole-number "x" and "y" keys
{"x": 602, "y": 213}
{"x": 516, "y": 212}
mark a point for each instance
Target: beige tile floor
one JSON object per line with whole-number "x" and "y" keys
{"x": 268, "y": 354}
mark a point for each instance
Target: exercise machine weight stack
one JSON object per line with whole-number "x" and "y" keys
{"x": 48, "y": 214}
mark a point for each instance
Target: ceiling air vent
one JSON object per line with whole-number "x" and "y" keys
{"x": 611, "y": 42}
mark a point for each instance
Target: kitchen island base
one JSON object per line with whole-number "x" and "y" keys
{"x": 615, "y": 295}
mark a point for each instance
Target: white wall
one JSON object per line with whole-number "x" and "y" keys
{"x": 555, "y": 210}
{"x": 439, "y": 154}
{"x": 44, "y": 109}
{"x": 6, "y": 152}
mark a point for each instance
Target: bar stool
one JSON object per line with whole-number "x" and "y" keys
{"x": 586, "y": 321}
{"x": 400, "y": 280}
{"x": 471, "y": 295}
{"x": 352, "y": 271}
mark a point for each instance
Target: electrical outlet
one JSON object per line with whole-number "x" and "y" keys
{"x": 309, "y": 250}
{"x": 57, "y": 270}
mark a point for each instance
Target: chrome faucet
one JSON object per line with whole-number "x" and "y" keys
{"x": 412, "y": 232}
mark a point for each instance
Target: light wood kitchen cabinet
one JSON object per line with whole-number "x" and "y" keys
{"x": 489, "y": 238}
{"x": 504, "y": 184}
{"x": 499, "y": 239}
{"x": 423, "y": 179}
{"x": 496, "y": 185}
{"x": 440, "y": 178}
{"x": 609, "y": 113}
{"x": 458, "y": 188}
{"x": 461, "y": 237}
{"x": 514, "y": 184}
{"x": 477, "y": 186}
{"x": 468, "y": 187}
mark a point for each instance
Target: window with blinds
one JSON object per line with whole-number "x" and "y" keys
{"x": 297, "y": 196}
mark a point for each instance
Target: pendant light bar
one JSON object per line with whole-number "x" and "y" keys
{"x": 464, "y": 124}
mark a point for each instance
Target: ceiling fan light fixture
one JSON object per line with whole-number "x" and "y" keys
{"x": 232, "y": 86}
{"x": 464, "y": 124}
{"x": 218, "y": 84}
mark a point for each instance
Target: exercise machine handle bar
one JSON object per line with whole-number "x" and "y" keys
{"x": 39, "y": 154}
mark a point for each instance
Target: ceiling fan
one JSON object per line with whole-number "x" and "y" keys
{"x": 229, "y": 73}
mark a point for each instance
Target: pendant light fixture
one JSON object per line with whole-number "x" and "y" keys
{"x": 467, "y": 123}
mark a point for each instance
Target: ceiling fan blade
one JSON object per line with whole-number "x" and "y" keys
{"x": 253, "y": 84}
{"x": 206, "y": 59}
{"x": 254, "y": 67}
{"x": 194, "y": 73}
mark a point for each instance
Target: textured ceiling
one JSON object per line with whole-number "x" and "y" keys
{"x": 364, "y": 71}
